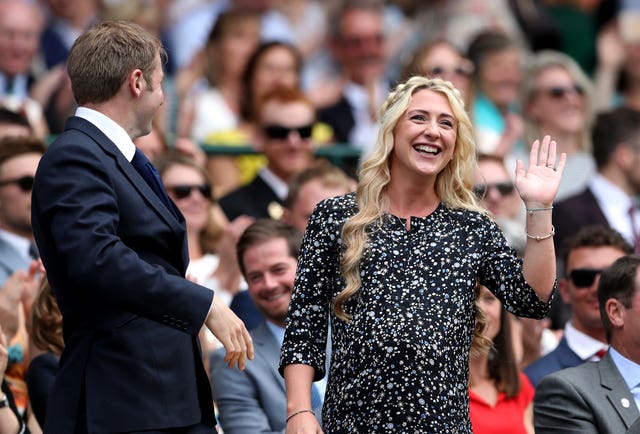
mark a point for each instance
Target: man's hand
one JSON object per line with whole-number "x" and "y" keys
{"x": 231, "y": 332}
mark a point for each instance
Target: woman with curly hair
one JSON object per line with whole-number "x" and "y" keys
{"x": 393, "y": 269}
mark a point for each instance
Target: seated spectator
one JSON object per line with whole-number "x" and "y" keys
{"x": 285, "y": 138}
{"x": 610, "y": 196}
{"x": 14, "y": 123}
{"x": 500, "y": 397}
{"x": 254, "y": 400}
{"x": 585, "y": 255}
{"x": 46, "y": 342}
{"x": 602, "y": 397}
{"x": 11, "y": 420}
{"x": 558, "y": 101}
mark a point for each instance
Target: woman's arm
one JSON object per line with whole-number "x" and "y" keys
{"x": 300, "y": 416}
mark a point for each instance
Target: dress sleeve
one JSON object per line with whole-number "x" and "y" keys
{"x": 317, "y": 274}
{"x": 501, "y": 272}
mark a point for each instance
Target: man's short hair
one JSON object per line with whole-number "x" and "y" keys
{"x": 620, "y": 125}
{"x": 330, "y": 176}
{"x": 617, "y": 281}
{"x": 102, "y": 57}
{"x": 13, "y": 146}
{"x": 263, "y": 230}
{"x": 594, "y": 236}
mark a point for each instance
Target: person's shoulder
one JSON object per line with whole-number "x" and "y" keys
{"x": 472, "y": 218}
{"x": 337, "y": 207}
{"x": 581, "y": 374}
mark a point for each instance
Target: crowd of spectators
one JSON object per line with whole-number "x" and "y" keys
{"x": 282, "y": 80}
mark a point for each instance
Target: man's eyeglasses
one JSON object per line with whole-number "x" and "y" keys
{"x": 504, "y": 188}
{"x": 279, "y": 132}
{"x": 559, "y": 92}
{"x": 184, "y": 191}
{"x": 25, "y": 183}
{"x": 583, "y": 277}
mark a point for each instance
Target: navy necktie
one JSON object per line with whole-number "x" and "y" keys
{"x": 149, "y": 173}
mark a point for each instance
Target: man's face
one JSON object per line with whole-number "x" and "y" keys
{"x": 270, "y": 272}
{"x": 20, "y": 29}
{"x": 579, "y": 286}
{"x": 15, "y": 197}
{"x": 286, "y": 137}
{"x": 310, "y": 194}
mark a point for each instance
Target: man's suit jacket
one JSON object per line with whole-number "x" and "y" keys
{"x": 590, "y": 398}
{"x": 116, "y": 258}
{"x": 560, "y": 358}
{"x": 253, "y": 401}
{"x": 575, "y": 212}
{"x": 253, "y": 199}
{"x": 10, "y": 261}
{"x": 340, "y": 117}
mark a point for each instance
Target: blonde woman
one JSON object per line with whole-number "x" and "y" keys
{"x": 394, "y": 268}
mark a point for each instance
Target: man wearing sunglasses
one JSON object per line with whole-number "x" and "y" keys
{"x": 585, "y": 255}
{"x": 603, "y": 397}
{"x": 19, "y": 158}
{"x": 286, "y": 118}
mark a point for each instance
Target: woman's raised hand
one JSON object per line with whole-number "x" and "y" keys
{"x": 538, "y": 183}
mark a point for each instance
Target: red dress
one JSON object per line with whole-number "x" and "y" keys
{"x": 507, "y": 417}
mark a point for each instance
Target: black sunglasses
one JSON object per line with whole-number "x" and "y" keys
{"x": 504, "y": 188}
{"x": 559, "y": 92}
{"x": 25, "y": 183}
{"x": 183, "y": 191}
{"x": 583, "y": 277}
{"x": 278, "y": 132}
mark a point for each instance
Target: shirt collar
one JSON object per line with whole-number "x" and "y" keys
{"x": 607, "y": 192}
{"x": 279, "y": 187}
{"x": 629, "y": 370}
{"x": 111, "y": 129}
{"x": 276, "y": 331}
{"x": 21, "y": 244}
{"x": 580, "y": 343}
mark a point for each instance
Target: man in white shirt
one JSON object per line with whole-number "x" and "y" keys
{"x": 601, "y": 397}
{"x": 586, "y": 254}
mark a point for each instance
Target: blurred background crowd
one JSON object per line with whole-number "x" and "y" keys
{"x": 268, "y": 106}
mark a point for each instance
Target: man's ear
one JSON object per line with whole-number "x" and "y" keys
{"x": 563, "y": 288}
{"x": 622, "y": 155}
{"x": 615, "y": 311}
{"x": 136, "y": 82}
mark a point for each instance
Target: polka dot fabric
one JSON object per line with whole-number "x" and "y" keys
{"x": 401, "y": 364}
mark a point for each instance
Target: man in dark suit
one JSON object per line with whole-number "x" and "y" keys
{"x": 585, "y": 254}
{"x": 611, "y": 192}
{"x": 603, "y": 397}
{"x": 114, "y": 247}
{"x": 254, "y": 401}
{"x": 286, "y": 118}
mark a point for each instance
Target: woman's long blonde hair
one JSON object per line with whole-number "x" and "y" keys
{"x": 453, "y": 184}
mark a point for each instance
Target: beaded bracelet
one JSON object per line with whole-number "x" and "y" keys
{"x": 297, "y": 413}
{"x": 547, "y": 208}
{"x": 543, "y": 237}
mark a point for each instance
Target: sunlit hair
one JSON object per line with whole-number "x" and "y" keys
{"x": 453, "y": 184}
{"x": 540, "y": 63}
{"x": 45, "y": 331}
{"x": 101, "y": 59}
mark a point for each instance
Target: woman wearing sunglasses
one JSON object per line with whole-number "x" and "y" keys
{"x": 558, "y": 102}
{"x": 211, "y": 238}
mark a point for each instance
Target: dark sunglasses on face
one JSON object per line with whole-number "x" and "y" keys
{"x": 583, "y": 277}
{"x": 183, "y": 191}
{"x": 504, "y": 188}
{"x": 559, "y": 92}
{"x": 25, "y": 183}
{"x": 279, "y": 132}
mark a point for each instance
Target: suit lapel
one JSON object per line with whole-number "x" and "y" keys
{"x": 269, "y": 350}
{"x": 125, "y": 167}
{"x": 618, "y": 392}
